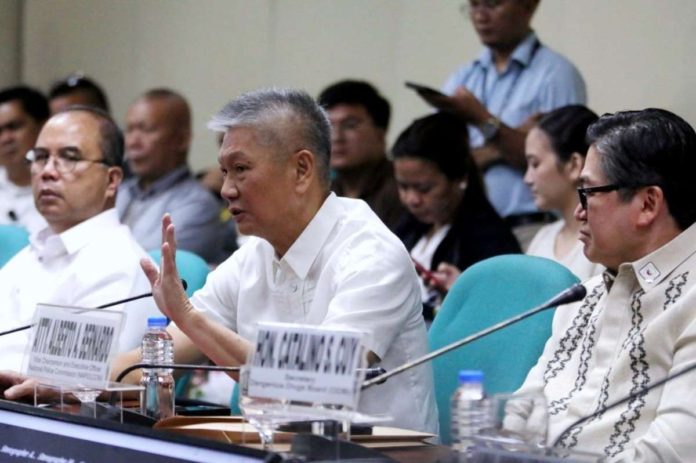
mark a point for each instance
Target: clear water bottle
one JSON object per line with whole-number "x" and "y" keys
{"x": 470, "y": 412}
{"x": 157, "y": 399}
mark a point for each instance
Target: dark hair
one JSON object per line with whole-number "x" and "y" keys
{"x": 649, "y": 147}
{"x": 78, "y": 83}
{"x": 111, "y": 137}
{"x": 33, "y": 102}
{"x": 358, "y": 92}
{"x": 566, "y": 128}
{"x": 440, "y": 138}
{"x": 280, "y": 115}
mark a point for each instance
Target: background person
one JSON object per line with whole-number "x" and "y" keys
{"x": 499, "y": 94}
{"x": 23, "y": 111}
{"x": 450, "y": 219}
{"x": 359, "y": 118}
{"x": 556, "y": 149}
{"x": 158, "y": 136}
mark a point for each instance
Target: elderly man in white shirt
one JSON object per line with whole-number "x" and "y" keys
{"x": 316, "y": 259}
{"x": 85, "y": 257}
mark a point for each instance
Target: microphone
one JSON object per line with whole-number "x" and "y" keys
{"x": 572, "y": 294}
{"x": 103, "y": 306}
{"x": 643, "y": 391}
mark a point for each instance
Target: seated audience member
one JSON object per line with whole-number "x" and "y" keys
{"x": 556, "y": 150}
{"x": 23, "y": 111}
{"x": 359, "y": 121}
{"x": 84, "y": 257}
{"x": 637, "y": 323}
{"x": 158, "y": 136}
{"x": 76, "y": 89}
{"x": 450, "y": 219}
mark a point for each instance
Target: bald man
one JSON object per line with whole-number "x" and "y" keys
{"x": 158, "y": 136}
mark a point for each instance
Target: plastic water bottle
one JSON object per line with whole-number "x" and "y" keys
{"x": 157, "y": 400}
{"x": 470, "y": 410}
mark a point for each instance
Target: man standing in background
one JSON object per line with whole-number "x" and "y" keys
{"x": 500, "y": 93}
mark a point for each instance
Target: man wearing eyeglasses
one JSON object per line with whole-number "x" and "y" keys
{"x": 499, "y": 94}
{"x": 85, "y": 257}
{"x": 637, "y": 324}
{"x": 359, "y": 118}
{"x": 23, "y": 111}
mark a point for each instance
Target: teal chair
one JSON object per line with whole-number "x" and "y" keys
{"x": 12, "y": 240}
{"x": 487, "y": 293}
{"x": 194, "y": 270}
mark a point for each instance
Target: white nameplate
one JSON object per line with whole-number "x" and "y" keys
{"x": 307, "y": 364}
{"x": 72, "y": 346}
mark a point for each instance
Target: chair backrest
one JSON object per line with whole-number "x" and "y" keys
{"x": 487, "y": 293}
{"x": 12, "y": 240}
{"x": 192, "y": 268}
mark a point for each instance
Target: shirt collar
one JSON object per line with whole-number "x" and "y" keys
{"x": 523, "y": 53}
{"x": 307, "y": 246}
{"x": 48, "y": 244}
{"x": 652, "y": 269}
{"x": 161, "y": 184}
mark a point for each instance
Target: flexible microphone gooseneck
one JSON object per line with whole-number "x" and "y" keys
{"x": 572, "y": 294}
{"x": 643, "y": 390}
{"x": 103, "y": 306}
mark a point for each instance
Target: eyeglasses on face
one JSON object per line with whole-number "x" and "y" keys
{"x": 65, "y": 159}
{"x": 584, "y": 192}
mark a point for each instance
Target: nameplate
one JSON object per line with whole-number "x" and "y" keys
{"x": 72, "y": 346}
{"x": 307, "y": 364}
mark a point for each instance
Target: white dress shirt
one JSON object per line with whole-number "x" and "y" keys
{"x": 92, "y": 263}
{"x": 345, "y": 269}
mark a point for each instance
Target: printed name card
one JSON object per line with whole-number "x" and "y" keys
{"x": 72, "y": 346}
{"x": 310, "y": 364}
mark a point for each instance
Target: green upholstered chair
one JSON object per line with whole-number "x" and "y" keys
{"x": 194, "y": 270}
{"x": 487, "y": 293}
{"x": 12, "y": 240}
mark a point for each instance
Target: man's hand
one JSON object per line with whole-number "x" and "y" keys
{"x": 167, "y": 289}
{"x": 463, "y": 103}
{"x": 15, "y": 386}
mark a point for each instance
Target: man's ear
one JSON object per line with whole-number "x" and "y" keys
{"x": 113, "y": 179}
{"x": 652, "y": 204}
{"x": 304, "y": 164}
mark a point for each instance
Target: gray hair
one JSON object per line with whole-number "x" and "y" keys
{"x": 281, "y": 116}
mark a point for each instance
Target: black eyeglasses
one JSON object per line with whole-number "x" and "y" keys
{"x": 583, "y": 192}
{"x": 65, "y": 160}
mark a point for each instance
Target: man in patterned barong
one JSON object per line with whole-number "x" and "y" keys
{"x": 637, "y": 323}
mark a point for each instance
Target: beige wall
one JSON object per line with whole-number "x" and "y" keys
{"x": 10, "y": 50}
{"x": 633, "y": 53}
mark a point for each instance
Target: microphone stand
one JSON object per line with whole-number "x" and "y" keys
{"x": 572, "y": 294}
{"x": 103, "y": 306}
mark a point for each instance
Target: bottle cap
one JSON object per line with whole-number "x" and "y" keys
{"x": 157, "y": 322}
{"x": 470, "y": 376}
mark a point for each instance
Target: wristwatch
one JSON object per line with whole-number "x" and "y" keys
{"x": 490, "y": 128}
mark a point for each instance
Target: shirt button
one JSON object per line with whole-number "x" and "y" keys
{"x": 293, "y": 287}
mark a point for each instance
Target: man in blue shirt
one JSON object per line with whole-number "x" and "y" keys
{"x": 500, "y": 93}
{"x": 158, "y": 135}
